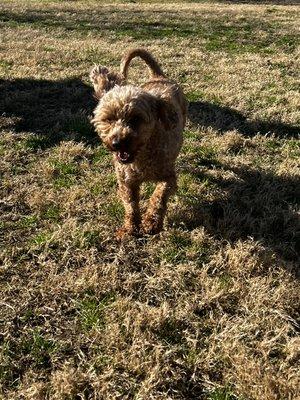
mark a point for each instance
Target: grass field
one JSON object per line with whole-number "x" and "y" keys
{"x": 208, "y": 309}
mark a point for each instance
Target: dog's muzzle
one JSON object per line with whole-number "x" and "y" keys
{"x": 121, "y": 148}
{"x": 124, "y": 157}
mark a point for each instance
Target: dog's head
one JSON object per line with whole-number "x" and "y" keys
{"x": 126, "y": 118}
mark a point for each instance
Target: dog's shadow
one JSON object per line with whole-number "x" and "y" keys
{"x": 254, "y": 203}
{"x": 57, "y": 110}
{"x": 223, "y": 119}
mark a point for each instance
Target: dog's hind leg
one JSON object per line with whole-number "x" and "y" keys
{"x": 154, "y": 217}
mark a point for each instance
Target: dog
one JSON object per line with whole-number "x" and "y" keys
{"x": 143, "y": 128}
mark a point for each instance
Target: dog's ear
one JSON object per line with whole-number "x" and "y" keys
{"x": 167, "y": 114}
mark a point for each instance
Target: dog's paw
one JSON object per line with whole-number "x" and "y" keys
{"x": 97, "y": 72}
{"x": 151, "y": 225}
{"x": 126, "y": 232}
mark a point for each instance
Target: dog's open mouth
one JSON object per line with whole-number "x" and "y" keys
{"x": 124, "y": 157}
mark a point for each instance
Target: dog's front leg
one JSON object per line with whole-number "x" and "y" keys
{"x": 154, "y": 217}
{"x": 129, "y": 194}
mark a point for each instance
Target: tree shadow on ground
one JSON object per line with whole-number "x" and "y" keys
{"x": 219, "y": 32}
{"x": 224, "y": 119}
{"x": 56, "y": 110}
{"x": 253, "y": 204}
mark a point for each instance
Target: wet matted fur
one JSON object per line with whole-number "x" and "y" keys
{"x": 143, "y": 128}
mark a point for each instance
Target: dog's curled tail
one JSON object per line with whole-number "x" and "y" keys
{"x": 153, "y": 66}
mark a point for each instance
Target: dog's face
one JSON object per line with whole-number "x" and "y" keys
{"x": 125, "y": 119}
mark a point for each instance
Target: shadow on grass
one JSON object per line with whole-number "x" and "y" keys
{"x": 224, "y": 118}
{"x": 218, "y": 32}
{"x": 254, "y": 204}
{"x": 54, "y": 110}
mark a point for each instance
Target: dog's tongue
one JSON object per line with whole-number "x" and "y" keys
{"x": 123, "y": 156}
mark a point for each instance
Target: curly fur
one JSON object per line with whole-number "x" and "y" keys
{"x": 147, "y": 124}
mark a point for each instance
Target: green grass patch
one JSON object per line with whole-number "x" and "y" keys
{"x": 226, "y": 281}
{"x": 222, "y": 394}
{"x": 41, "y": 239}
{"x": 273, "y": 146}
{"x": 19, "y": 169}
{"x": 204, "y": 155}
{"x": 64, "y": 182}
{"x": 148, "y": 189}
{"x": 28, "y": 315}
{"x": 191, "y": 135}
{"x": 98, "y": 189}
{"x": 195, "y": 95}
{"x": 114, "y": 209}
{"x": 29, "y": 221}
{"x": 176, "y": 247}
{"x": 187, "y": 184}
{"x": 96, "y": 56}
{"x": 39, "y": 142}
{"x": 39, "y": 349}
{"x": 154, "y": 30}
{"x": 6, "y": 65}
{"x": 2, "y": 149}
{"x": 52, "y": 212}
{"x": 64, "y": 168}
{"x": 49, "y": 49}
{"x": 65, "y": 174}
{"x": 100, "y": 154}
{"x": 90, "y": 239}
{"x": 293, "y": 147}
{"x": 7, "y": 375}
{"x": 105, "y": 185}
{"x": 200, "y": 253}
{"x": 91, "y": 311}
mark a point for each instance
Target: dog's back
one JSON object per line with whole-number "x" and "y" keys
{"x": 158, "y": 85}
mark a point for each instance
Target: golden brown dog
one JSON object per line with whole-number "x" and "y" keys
{"x": 143, "y": 127}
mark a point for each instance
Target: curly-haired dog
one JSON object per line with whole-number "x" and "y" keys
{"x": 143, "y": 127}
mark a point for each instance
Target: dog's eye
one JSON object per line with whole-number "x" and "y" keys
{"x": 109, "y": 120}
{"x": 134, "y": 121}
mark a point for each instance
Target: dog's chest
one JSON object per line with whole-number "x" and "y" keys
{"x": 133, "y": 172}
{"x": 130, "y": 173}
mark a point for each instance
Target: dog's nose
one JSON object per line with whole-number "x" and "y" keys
{"x": 116, "y": 144}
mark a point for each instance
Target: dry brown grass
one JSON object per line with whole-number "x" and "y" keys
{"x": 209, "y": 309}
